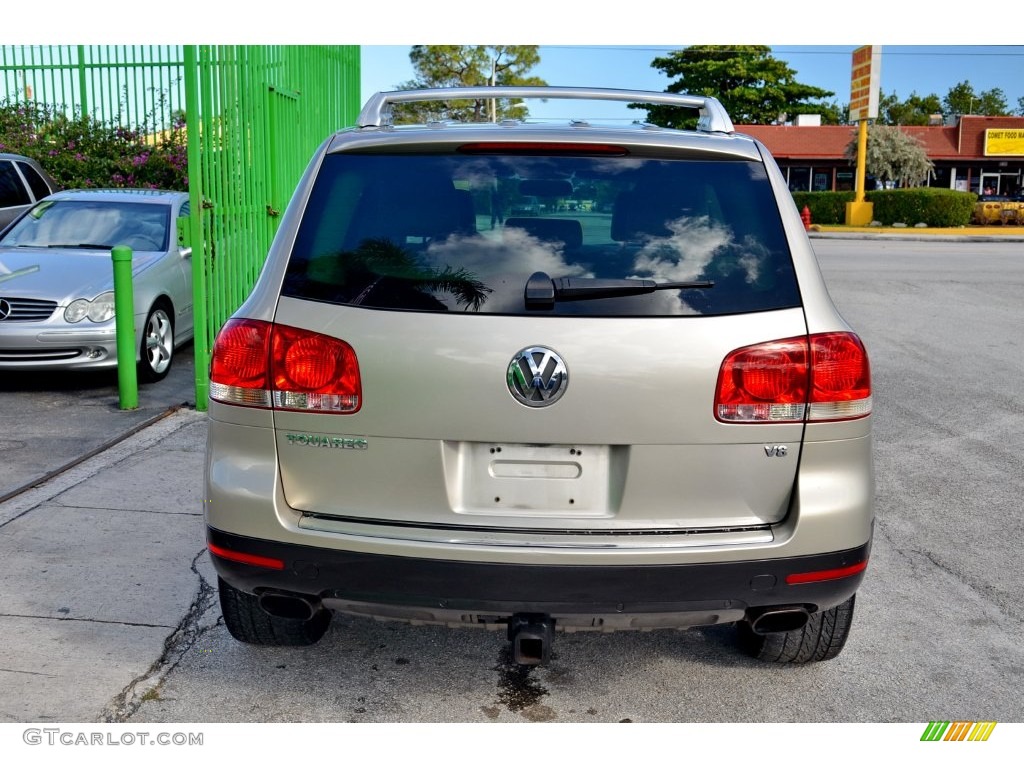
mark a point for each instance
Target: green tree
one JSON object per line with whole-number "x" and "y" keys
{"x": 753, "y": 86}
{"x": 962, "y": 99}
{"x": 993, "y": 103}
{"x": 893, "y": 155}
{"x": 451, "y": 66}
{"x": 916, "y": 110}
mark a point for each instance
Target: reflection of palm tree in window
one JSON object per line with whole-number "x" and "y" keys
{"x": 379, "y": 264}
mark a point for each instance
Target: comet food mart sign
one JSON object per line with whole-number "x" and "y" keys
{"x": 1004, "y": 142}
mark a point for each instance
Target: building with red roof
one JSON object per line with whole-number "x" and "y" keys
{"x": 976, "y": 154}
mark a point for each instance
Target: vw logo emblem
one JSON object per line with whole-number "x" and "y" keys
{"x": 537, "y": 377}
{"x": 5, "y": 309}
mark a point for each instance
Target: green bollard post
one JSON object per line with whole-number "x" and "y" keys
{"x": 124, "y": 321}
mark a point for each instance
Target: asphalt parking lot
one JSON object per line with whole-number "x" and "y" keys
{"x": 51, "y": 420}
{"x": 105, "y": 587}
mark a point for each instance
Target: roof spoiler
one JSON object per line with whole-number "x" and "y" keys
{"x": 713, "y": 117}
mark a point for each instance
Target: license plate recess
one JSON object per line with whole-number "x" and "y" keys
{"x": 529, "y": 480}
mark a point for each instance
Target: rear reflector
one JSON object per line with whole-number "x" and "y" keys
{"x": 829, "y": 575}
{"x": 822, "y": 377}
{"x": 247, "y": 559}
{"x": 263, "y": 365}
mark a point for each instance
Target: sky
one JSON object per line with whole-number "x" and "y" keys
{"x": 923, "y": 69}
{"x": 925, "y": 48}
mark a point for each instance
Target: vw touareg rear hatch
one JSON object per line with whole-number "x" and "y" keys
{"x": 539, "y": 329}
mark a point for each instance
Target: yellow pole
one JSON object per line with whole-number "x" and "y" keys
{"x": 862, "y": 158}
{"x": 860, "y": 213}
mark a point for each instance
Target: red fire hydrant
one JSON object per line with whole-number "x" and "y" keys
{"x": 805, "y": 214}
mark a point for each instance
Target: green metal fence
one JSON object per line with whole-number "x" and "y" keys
{"x": 130, "y": 85}
{"x": 254, "y": 115}
{"x": 262, "y": 111}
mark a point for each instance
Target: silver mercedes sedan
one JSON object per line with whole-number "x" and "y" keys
{"x": 57, "y": 281}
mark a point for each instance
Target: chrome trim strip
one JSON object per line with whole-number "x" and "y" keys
{"x": 532, "y": 538}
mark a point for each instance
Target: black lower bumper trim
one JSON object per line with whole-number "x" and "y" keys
{"x": 510, "y": 588}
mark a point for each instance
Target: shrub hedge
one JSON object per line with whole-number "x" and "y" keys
{"x": 80, "y": 152}
{"x": 825, "y": 207}
{"x": 934, "y": 207}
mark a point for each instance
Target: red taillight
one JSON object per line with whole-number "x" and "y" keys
{"x": 260, "y": 364}
{"x": 840, "y": 376}
{"x": 832, "y": 573}
{"x": 765, "y": 382}
{"x": 313, "y": 372}
{"x": 240, "y": 365}
{"x": 823, "y": 377}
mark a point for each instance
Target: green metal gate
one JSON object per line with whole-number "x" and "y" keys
{"x": 254, "y": 116}
{"x": 262, "y": 111}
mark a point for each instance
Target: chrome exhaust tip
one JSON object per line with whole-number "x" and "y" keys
{"x": 285, "y": 606}
{"x": 783, "y": 619}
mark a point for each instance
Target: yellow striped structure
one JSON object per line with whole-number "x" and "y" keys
{"x": 958, "y": 731}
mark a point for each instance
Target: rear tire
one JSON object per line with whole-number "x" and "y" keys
{"x": 822, "y": 638}
{"x": 248, "y": 623}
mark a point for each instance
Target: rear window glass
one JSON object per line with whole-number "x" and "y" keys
{"x": 464, "y": 233}
{"x": 39, "y": 187}
{"x": 12, "y": 191}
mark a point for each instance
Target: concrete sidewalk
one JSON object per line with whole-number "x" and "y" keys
{"x": 104, "y": 578}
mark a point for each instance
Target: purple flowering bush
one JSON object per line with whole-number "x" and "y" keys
{"x": 80, "y": 152}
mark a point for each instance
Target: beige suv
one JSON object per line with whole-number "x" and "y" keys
{"x": 634, "y": 408}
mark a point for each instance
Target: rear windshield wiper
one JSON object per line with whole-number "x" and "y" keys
{"x": 542, "y": 291}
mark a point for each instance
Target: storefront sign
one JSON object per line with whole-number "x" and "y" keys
{"x": 865, "y": 81}
{"x": 1004, "y": 141}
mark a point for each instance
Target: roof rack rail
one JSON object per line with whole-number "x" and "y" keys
{"x": 376, "y": 112}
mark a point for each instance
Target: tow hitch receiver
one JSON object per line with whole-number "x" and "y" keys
{"x": 531, "y": 635}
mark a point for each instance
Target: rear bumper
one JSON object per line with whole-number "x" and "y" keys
{"x": 443, "y": 590}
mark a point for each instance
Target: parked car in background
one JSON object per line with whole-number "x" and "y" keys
{"x": 998, "y": 209}
{"x": 56, "y": 281}
{"x": 22, "y": 183}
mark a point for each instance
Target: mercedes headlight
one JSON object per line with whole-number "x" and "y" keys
{"x": 99, "y": 310}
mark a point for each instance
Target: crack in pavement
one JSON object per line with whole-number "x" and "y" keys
{"x": 25, "y": 672}
{"x": 177, "y": 644}
{"x": 82, "y": 619}
{"x": 64, "y": 505}
{"x": 907, "y": 554}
